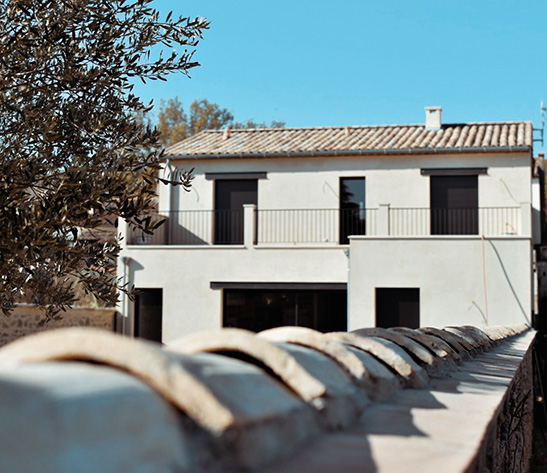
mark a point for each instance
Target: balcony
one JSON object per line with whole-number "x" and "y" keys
{"x": 330, "y": 227}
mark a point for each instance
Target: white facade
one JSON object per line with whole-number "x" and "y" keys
{"x": 477, "y": 279}
{"x": 464, "y": 280}
{"x": 313, "y": 183}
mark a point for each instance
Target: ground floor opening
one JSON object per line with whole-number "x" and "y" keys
{"x": 264, "y": 308}
{"x": 397, "y": 307}
{"x": 148, "y": 313}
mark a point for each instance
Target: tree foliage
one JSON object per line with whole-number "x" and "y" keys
{"x": 71, "y": 148}
{"x": 175, "y": 125}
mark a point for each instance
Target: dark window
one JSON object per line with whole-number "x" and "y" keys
{"x": 454, "y": 205}
{"x": 257, "y": 310}
{"x": 352, "y": 207}
{"x": 148, "y": 314}
{"x": 398, "y": 307}
{"x": 230, "y": 196}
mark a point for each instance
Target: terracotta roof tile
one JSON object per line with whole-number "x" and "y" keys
{"x": 266, "y": 141}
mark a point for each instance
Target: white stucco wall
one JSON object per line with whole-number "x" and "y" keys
{"x": 314, "y": 182}
{"x": 185, "y": 274}
{"x": 448, "y": 270}
{"x": 536, "y": 211}
{"x": 449, "y": 273}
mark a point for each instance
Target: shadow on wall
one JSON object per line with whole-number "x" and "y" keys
{"x": 483, "y": 314}
{"x": 398, "y": 419}
{"x": 502, "y": 266}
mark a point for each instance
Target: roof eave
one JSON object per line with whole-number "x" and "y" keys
{"x": 356, "y": 152}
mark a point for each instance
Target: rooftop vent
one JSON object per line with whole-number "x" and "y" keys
{"x": 433, "y": 118}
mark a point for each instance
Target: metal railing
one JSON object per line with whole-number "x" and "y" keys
{"x": 324, "y": 226}
{"x": 188, "y": 227}
{"x": 464, "y": 221}
{"x": 194, "y": 227}
{"x": 308, "y": 226}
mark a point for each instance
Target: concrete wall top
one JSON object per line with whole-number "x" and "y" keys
{"x": 285, "y": 400}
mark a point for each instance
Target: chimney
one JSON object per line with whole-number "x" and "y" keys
{"x": 433, "y": 118}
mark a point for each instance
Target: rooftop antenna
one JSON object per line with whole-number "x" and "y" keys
{"x": 543, "y": 111}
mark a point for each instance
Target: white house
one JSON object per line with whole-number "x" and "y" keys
{"x": 340, "y": 227}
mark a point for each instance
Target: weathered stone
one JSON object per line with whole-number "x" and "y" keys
{"x": 497, "y": 333}
{"x": 231, "y": 341}
{"x": 379, "y": 381}
{"x": 269, "y": 421}
{"x": 468, "y": 337}
{"x": 432, "y": 365}
{"x": 460, "y": 424}
{"x": 464, "y": 342}
{"x": 344, "y": 400}
{"x": 437, "y": 346}
{"x": 318, "y": 341}
{"x": 162, "y": 370}
{"x": 479, "y": 335}
{"x": 449, "y": 338}
{"x": 501, "y": 332}
{"x": 414, "y": 349}
{"x": 76, "y": 417}
{"x": 389, "y": 353}
{"x": 475, "y": 420}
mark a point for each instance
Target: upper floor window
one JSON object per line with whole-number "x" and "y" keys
{"x": 454, "y": 205}
{"x": 230, "y": 196}
{"x": 352, "y": 207}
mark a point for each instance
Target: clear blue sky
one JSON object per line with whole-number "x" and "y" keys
{"x": 352, "y": 62}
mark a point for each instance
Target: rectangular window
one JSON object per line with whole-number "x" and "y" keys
{"x": 454, "y": 205}
{"x": 230, "y": 196}
{"x": 352, "y": 208}
{"x": 398, "y": 307}
{"x": 261, "y": 309}
{"x": 148, "y": 314}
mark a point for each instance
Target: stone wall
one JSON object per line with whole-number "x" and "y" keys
{"x": 507, "y": 446}
{"x": 27, "y": 319}
{"x": 515, "y": 424}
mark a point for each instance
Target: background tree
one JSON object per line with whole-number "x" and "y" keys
{"x": 207, "y": 116}
{"x": 172, "y": 122}
{"x": 175, "y": 125}
{"x": 71, "y": 148}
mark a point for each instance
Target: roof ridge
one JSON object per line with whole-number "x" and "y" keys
{"x": 300, "y": 128}
{"x": 343, "y": 127}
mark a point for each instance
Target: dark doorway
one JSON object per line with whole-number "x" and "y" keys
{"x": 352, "y": 207}
{"x": 454, "y": 205}
{"x": 398, "y": 307}
{"x": 257, "y": 309}
{"x": 148, "y": 314}
{"x": 230, "y": 196}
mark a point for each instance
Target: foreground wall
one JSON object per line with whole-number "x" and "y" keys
{"x": 388, "y": 401}
{"x": 452, "y": 274}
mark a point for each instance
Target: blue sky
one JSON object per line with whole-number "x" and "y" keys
{"x": 353, "y": 62}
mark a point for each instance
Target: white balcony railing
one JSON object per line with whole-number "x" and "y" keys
{"x": 327, "y": 226}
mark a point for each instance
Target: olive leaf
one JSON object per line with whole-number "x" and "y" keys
{"x": 73, "y": 153}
